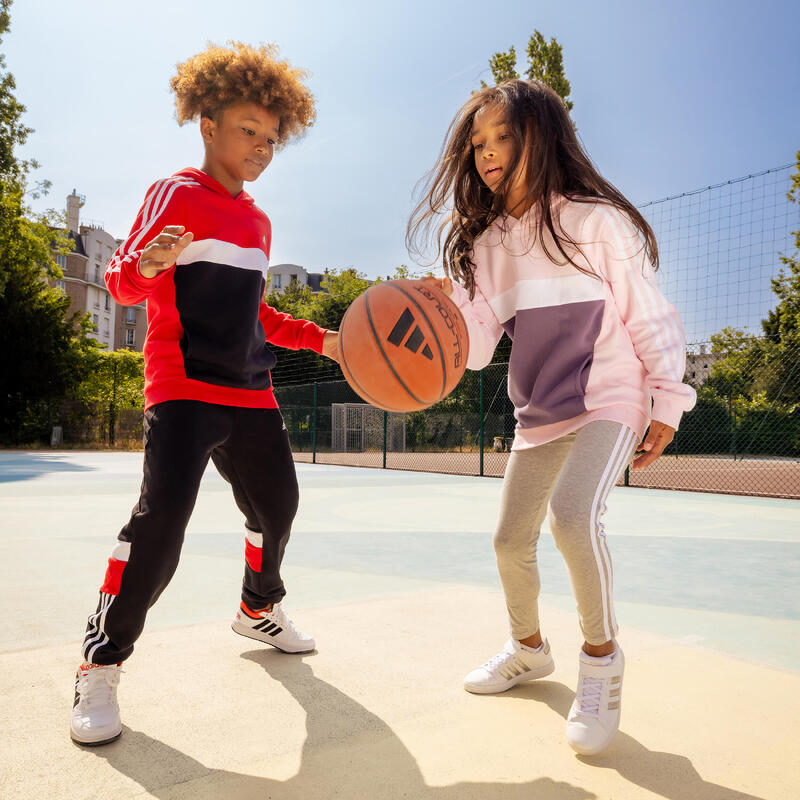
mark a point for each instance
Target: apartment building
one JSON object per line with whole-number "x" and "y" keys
{"x": 281, "y": 275}
{"x": 114, "y": 326}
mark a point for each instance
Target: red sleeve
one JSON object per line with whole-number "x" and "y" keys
{"x": 163, "y": 205}
{"x": 286, "y": 331}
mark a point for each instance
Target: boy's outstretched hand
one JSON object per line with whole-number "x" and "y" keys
{"x": 658, "y": 437}
{"x": 330, "y": 345}
{"x": 163, "y": 251}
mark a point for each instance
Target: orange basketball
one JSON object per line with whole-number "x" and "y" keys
{"x": 403, "y": 345}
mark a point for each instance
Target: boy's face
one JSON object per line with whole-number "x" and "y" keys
{"x": 241, "y": 141}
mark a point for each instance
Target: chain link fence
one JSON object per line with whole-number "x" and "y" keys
{"x": 470, "y": 433}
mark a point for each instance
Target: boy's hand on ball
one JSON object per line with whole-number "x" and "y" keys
{"x": 163, "y": 251}
{"x": 330, "y": 345}
{"x": 658, "y": 437}
{"x": 445, "y": 284}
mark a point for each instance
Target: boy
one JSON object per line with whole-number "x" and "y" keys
{"x": 198, "y": 253}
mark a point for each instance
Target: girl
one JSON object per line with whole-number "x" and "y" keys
{"x": 543, "y": 248}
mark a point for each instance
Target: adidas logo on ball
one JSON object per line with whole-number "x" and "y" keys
{"x": 413, "y": 342}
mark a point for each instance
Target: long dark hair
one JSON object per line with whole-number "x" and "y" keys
{"x": 556, "y": 166}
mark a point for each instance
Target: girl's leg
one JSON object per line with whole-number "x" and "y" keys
{"x": 599, "y": 454}
{"x": 528, "y": 483}
{"x": 179, "y": 436}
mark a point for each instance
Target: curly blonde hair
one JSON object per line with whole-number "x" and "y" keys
{"x": 207, "y": 83}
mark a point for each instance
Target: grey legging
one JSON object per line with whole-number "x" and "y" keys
{"x": 575, "y": 474}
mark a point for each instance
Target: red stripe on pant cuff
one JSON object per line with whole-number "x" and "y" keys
{"x": 252, "y": 555}
{"x": 113, "y": 576}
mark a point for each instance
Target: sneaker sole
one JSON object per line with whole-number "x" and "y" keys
{"x": 530, "y": 675}
{"x": 243, "y": 630}
{"x": 97, "y": 743}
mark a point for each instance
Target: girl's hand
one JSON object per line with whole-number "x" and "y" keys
{"x": 445, "y": 284}
{"x": 658, "y": 437}
{"x": 330, "y": 345}
{"x": 163, "y": 251}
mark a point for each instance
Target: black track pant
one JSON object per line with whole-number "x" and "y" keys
{"x": 250, "y": 448}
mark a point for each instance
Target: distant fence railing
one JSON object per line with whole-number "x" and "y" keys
{"x": 470, "y": 433}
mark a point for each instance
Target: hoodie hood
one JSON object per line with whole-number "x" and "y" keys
{"x": 215, "y": 186}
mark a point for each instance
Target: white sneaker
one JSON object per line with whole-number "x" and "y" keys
{"x": 594, "y": 717}
{"x": 272, "y": 627}
{"x": 95, "y": 715}
{"x": 512, "y": 665}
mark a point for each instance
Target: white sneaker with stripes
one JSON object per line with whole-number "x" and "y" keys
{"x": 272, "y": 627}
{"x": 95, "y": 715}
{"x": 593, "y": 719}
{"x": 512, "y": 665}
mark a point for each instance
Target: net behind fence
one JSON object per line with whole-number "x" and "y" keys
{"x": 720, "y": 248}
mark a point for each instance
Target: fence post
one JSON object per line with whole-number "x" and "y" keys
{"x": 314, "y": 428}
{"x": 480, "y": 424}
{"x": 627, "y": 476}
{"x": 112, "y": 411}
{"x": 385, "y": 425}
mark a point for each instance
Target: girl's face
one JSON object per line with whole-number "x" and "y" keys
{"x": 494, "y": 150}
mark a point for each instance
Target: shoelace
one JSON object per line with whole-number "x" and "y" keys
{"x": 591, "y": 689}
{"x": 96, "y": 686}
{"x": 281, "y": 619}
{"x": 497, "y": 661}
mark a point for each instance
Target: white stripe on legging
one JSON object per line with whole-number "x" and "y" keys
{"x": 601, "y": 555}
{"x": 613, "y": 474}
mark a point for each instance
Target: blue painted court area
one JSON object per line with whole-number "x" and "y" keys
{"x": 715, "y": 570}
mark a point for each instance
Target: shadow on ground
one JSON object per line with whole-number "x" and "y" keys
{"x": 666, "y": 774}
{"x": 351, "y": 753}
{"x": 24, "y": 466}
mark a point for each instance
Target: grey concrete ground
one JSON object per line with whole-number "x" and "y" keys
{"x": 393, "y": 573}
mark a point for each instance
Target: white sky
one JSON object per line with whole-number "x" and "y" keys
{"x": 668, "y": 97}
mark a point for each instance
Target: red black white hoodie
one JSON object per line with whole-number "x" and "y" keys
{"x": 208, "y": 323}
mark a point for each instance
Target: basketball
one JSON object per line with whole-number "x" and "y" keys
{"x": 403, "y": 345}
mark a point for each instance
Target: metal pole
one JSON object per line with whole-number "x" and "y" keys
{"x": 112, "y": 415}
{"x": 385, "y": 425}
{"x": 627, "y": 476}
{"x": 480, "y": 416}
{"x": 314, "y": 428}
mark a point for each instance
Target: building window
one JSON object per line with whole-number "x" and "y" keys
{"x": 130, "y": 316}
{"x": 105, "y": 328}
{"x": 61, "y": 285}
{"x": 129, "y": 337}
{"x": 276, "y": 282}
{"x": 61, "y": 261}
{"x": 108, "y": 302}
{"x": 293, "y": 279}
{"x": 97, "y": 274}
{"x": 95, "y": 322}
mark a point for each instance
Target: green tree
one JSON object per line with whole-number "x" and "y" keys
{"x": 545, "y": 64}
{"x": 113, "y": 382}
{"x": 45, "y": 348}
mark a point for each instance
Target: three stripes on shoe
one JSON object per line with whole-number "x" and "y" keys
{"x": 267, "y": 626}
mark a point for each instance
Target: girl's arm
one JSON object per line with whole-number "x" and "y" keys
{"x": 482, "y": 325}
{"x": 652, "y": 322}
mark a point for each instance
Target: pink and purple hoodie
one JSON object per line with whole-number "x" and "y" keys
{"x": 603, "y": 346}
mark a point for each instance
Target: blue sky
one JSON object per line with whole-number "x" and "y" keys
{"x": 668, "y": 97}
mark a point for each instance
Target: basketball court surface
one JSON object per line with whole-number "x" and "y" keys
{"x": 393, "y": 573}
